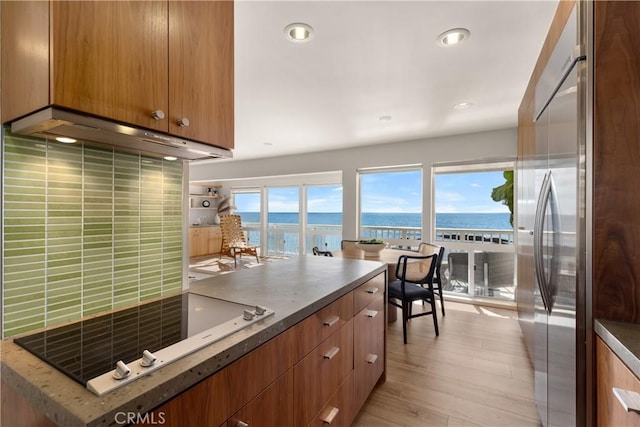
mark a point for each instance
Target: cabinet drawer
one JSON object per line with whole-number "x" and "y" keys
{"x": 368, "y": 350}
{"x": 205, "y": 404}
{"x": 338, "y": 412}
{"x": 317, "y": 327}
{"x": 318, "y": 375}
{"x": 366, "y": 293}
{"x": 254, "y": 372}
{"x": 271, "y": 408}
{"x": 612, "y": 372}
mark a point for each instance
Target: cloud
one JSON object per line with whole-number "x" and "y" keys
{"x": 475, "y": 185}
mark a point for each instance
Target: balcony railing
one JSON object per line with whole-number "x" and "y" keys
{"x": 484, "y": 259}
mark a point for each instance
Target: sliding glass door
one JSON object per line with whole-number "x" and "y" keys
{"x": 323, "y": 227}
{"x": 283, "y": 221}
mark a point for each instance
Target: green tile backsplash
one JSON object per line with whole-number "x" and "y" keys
{"x": 85, "y": 230}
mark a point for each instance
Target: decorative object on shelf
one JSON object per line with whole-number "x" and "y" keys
{"x": 212, "y": 192}
{"x": 224, "y": 206}
{"x": 206, "y": 203}
{"x": 216, "y": 219}
{"x": 371, "y": 247}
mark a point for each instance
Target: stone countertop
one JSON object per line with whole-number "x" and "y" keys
{"x": 293, "y": 288}
{"x": 624, "y": 341}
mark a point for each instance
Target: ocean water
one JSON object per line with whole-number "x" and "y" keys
{"x": 483, "y": 221}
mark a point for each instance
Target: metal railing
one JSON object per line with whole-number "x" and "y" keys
{"x": 284, "y": 239}
{"x": 487, "y": 266}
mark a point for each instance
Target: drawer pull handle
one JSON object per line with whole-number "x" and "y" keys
{"x": 371, "y": 313}
{"x": 331, "y": 353}
{"x": 371, "y": 359}
{"x": 630, "y": 400}
{"x": 330, "y": 415}
{"x": 331, "y": 321}
{"x": 242, "y": 424}
{"x": 372, "y": 290}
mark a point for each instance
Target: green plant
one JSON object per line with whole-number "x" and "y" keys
{"x": 371, "y": 241}
{"x": 504, "y": 193}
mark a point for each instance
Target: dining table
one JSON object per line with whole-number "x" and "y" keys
{"x": 389, "y": 256}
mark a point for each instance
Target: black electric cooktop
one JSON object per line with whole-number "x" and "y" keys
{"x": 91, "y": 347}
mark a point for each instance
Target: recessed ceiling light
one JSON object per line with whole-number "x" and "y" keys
{"x": 463, "y": 105}
{"x": 65, "y": 140}
{"x": 170, "y": 158}
{"x": 384, "y": 118}
{"x": 453, "y": 37}
{"x": 298, "y": 32}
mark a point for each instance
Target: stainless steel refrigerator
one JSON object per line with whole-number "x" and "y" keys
{"x": 559, "y": 182}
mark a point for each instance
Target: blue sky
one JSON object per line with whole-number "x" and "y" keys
{"x": 390, "y": 192}
{"x": 468, "y": 192}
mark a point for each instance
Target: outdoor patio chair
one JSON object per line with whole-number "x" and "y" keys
{"x": 427, "y": 248}
{"x": 414, "y": 272}
{"x": 318, "y": 252}
{"x": 234, "y": 242}
{"x": 458, "y": 271}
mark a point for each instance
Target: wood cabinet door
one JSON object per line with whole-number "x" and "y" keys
{"x": 271, "y": 408}
{"x": 25, "y": 57}
{"x": 198, "y": 241}
{"x": 205, "y": 404}
{"x": 110, "y": 58}
{"x": 201, "y": 71}
{"x": 368, "y": 350}
{"x": 320, "y": 373}
{"x": 214, "y": 240}
{"x": 611, "y": 372}
{"x": 339, "y": 410}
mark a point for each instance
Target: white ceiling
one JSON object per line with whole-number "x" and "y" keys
{"x": 373, "y": 58}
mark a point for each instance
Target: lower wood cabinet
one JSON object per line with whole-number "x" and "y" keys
{"x": 339, "y": 410}
{"x": 204, "y": 241}
{"x": 317, "y": 373}
{"x": 612, "y": 372}
{"x": 368, "y": 353}
{"x": 271, "y": 408}
{"x": 320, "y": 373}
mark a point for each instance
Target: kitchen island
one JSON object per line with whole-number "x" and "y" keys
{"x": 318, "y": 302}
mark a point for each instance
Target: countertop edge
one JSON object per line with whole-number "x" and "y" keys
{"x": 623, "y": 339}
{"x": 204, "y": 363}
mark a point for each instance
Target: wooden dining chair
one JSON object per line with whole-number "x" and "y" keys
{"x": 427, "y": 248}
{"x": 413, "y": 272}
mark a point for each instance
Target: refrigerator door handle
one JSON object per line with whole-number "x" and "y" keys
{"x": 538, "y": 240}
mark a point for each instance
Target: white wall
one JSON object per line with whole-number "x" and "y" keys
{"x": 500, "y": 144}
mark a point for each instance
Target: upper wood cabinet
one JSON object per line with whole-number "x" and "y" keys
{"x": 162, "y": 65}
{"x": 201, "y": 70}
{"x": 110, "y": 59}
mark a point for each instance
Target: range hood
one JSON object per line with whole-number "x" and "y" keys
{"x": 53, "y": 122}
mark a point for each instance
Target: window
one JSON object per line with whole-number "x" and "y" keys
{"x": 391, "y": 205}
{"x": 475, "y": 229}
{"x": 248, "y": 206}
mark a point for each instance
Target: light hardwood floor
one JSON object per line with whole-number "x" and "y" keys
{"x": 476, "y": 373}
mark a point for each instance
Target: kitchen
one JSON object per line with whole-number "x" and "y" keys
{"x": 611, "y": 166}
